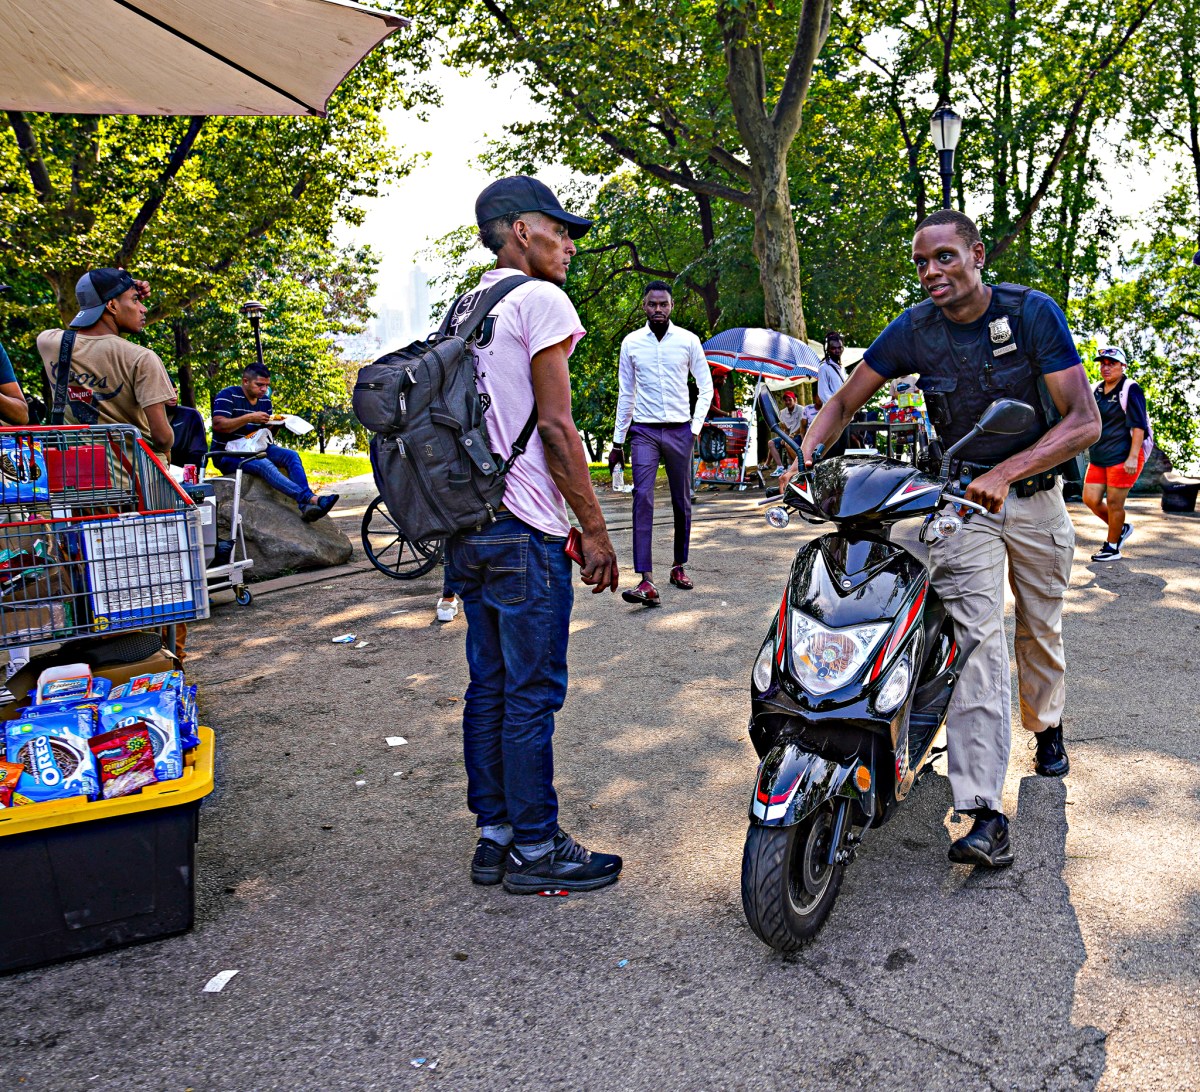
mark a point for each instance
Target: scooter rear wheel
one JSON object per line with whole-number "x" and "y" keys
{"x": 788, "y": 887}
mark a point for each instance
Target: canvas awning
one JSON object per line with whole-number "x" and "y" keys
{"x": 182, "y": 56}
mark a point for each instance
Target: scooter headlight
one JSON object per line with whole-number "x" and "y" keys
{"x": 824, "y": 659}
{"x": 894, "y": 687}
{"x": 761, "y": 675}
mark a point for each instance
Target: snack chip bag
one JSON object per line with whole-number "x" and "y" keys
{"x": 53, "y": 749}
{"x": 10, "y": 774}
{"x": 126, "y": 760}
{"x": 155, "y": 709}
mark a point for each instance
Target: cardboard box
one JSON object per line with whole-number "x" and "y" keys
{"x": 37, "y": 586}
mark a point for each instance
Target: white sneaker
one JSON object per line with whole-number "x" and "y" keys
{"x": 447, "y": 609}
{"x": 777, "y": 472}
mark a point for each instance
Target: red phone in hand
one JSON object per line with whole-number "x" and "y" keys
{"x": 573, "y": 547}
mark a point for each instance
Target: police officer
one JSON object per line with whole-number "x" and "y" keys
{"x": 971, "y": 344}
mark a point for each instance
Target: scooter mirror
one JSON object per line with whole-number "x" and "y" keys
{"x": 766, "y": 406}
{"x": 1007, "y": 417}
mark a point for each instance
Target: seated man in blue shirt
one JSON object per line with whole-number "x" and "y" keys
{"x": 239, "y": 411}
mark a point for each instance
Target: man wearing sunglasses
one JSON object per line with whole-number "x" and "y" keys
{"x": 1117, "y": 458}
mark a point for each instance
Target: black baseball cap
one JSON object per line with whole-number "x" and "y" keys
{"x": 94, "y": 289}
{"x": 520, "y": 193}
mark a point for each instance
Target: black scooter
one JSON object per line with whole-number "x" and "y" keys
{"x": 851, "y": 686}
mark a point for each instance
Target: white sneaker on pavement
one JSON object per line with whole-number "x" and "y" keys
{"x": 447, "y": 609}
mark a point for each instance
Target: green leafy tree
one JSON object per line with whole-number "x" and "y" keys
{"x": 1154, "y": 314}
{"x": 190, "y": 204}
{"x": 719, "y": 130}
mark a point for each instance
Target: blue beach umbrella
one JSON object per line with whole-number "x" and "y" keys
{"x": 765, "y": 353}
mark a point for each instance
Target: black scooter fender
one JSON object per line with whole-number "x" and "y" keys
{"x": 793, "y": 783}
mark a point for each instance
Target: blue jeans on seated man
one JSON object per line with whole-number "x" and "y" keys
{"x": 515, "y": 585}
{"x": 280, "y": 467}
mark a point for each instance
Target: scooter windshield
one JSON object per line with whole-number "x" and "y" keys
{"x": 866, "y": 488}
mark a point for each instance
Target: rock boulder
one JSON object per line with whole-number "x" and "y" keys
{"x": 276, "y": 537}
{"x": 1150, "y": 480}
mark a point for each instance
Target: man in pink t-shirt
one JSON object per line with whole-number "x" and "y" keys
{"x": 513, "y": 575}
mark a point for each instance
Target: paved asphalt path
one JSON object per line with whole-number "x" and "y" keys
{"x": 362, "y": 944}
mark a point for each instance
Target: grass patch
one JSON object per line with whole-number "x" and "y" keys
{"x": 601, "y": 475}
{"x": 327, "y": 469}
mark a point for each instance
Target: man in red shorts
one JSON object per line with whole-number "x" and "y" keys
{"x": 1117, "y": 458}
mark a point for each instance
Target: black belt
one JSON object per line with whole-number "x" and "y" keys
{"x": 1026, "y": 487}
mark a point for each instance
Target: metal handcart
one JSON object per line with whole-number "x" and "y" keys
{"x": 229, "y": 559}
{"x": 95, "y": 537}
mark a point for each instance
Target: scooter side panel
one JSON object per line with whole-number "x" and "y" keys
{"x": 793, "y": 783}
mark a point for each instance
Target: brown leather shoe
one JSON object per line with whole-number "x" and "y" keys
{"x": 645, "y": 593}
{"x": 680, "y": 579}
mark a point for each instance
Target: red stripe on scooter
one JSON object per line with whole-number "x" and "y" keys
{"x": 778, "y": 798}
{"x": 900, "y": 632}
{"x": 781, "y": 630}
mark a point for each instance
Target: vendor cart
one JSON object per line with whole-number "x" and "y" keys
{"x": 720, "y": 454}
{"x": 96, "y": 538}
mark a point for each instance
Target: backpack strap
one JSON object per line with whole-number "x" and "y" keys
{"x": 521, "y": 442}
{"x": 61, "y": 377}
{"x": 483, "y": 305}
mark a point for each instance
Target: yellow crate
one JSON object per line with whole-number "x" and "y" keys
{"x": 196, "y": 782}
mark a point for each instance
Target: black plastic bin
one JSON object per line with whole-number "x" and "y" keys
{"x": 80, "y": 877}
{"x": 1179, "y": 496}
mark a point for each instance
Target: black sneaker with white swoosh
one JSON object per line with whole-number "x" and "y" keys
{"x": 567, "y": 866}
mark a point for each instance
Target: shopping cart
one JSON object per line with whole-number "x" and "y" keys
{"x": 95, "y": 537}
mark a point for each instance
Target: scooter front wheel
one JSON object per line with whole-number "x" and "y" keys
{"x": 788, "y": 886}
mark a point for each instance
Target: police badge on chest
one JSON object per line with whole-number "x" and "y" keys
{"x": 1000, "y": 332}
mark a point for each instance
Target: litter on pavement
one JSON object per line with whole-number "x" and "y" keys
{"x": 345, "y": 639}
{"x": 218, "y": 982}
{"x": 362, "y": 644}
{"x": 623, "y": 963}
{"x": 395, "y": 741}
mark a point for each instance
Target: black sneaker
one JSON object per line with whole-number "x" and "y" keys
{"x": 987, "y": 844}
{"x": 1126, "y": 531}
{"x": 1051, "y": 758}
{"x": 567, "y": 866}
{"x": 487, "y": 866}
{"x": 1107, "y": 553}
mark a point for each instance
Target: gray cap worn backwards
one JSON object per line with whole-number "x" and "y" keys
{"x": 93, "y": 290}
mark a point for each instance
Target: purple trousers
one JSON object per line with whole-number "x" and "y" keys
{"x": 649, "y": 445}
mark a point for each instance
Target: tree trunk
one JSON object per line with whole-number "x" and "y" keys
{"x": 776, "y": 250}
{"x": 709, "y": 292}
{"x": 183, "y": 363}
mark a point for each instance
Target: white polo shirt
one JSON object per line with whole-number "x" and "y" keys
{"x": 653, "y": 380}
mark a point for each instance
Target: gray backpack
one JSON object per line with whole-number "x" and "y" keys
{"x": 430, "y": 454}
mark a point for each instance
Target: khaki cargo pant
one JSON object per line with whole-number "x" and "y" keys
{"x": 1036, "y": 536}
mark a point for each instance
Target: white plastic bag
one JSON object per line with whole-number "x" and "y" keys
{"x": 259, "y": 440}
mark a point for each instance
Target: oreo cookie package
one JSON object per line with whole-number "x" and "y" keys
{"x": 53, "y": 749}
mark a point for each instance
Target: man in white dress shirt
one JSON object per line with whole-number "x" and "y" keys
{"x": 830, "y": 378}
{"x": 653, "y": 409}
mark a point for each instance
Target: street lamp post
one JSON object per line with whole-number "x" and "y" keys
{"x": 944, "y": 127}
{"x": 253, "y": 310}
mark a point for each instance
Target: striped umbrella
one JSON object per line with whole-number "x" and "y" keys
{"x": 766, "y": 353}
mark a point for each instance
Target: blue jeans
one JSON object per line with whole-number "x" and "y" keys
{"x": 515, "y": 584}
{"x": 280, "y": 467}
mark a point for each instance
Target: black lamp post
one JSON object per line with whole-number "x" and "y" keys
{"x": 253, "y": 310}
{"x": 945, "y": 126}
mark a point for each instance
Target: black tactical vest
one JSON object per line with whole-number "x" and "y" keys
{"x": 961, "y": 381}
